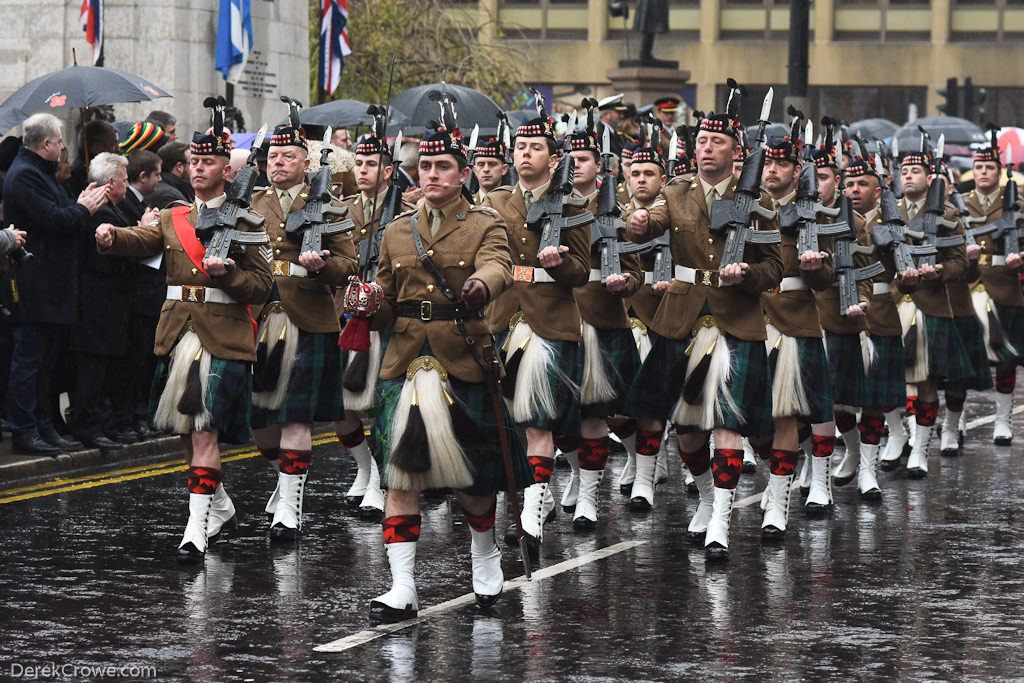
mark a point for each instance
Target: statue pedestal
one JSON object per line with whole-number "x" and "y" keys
{"x": 644, "y": 84}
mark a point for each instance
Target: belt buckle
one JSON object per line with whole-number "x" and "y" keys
{"x": 706, "y": 278}
{"x": 985, "y": 260}
{"x": 426, "y": 310}
{"x": 194, "y": 293}
{"x": 280, "y": 268}
{"x": 522, "y": 273}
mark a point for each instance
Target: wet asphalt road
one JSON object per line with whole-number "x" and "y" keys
{"x": 926, "y": 585}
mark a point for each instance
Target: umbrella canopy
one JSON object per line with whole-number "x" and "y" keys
{"x": 471, "y": 106}
{"x": 345, "y": 114}
{"x": 957, "y": 131}
{"x": 772, "y": 130}
{"x": 874, "y": 129}
{"x": 76, "y": 86}
{"x": 1012, "y": 139}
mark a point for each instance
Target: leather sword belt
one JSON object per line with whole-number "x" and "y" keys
{"x": 430, "y": 310}
{"x": 198, "y": 294}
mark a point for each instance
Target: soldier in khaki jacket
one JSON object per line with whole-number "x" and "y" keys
{"x": 489, "y": 167}
{"x": 438, "y": 426}
{"x": 373, "y": 172}
{"x": 999, "y": 290}
{"x": 710, "y": 318}
{"x": 610, "y": 354}
{"x": 542, "y": 317}
{"x": 205, "y": 338}
{"x": 300, "y": 383}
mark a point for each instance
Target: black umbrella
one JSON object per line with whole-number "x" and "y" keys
{"x": 345, "y": 114}
{"x": 471, "y": 106}
{"x": 873, "y": 129}
{"x": 957, "y": 131}
{"x": 75, "y": 86}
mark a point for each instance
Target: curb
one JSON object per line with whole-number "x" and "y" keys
{"x": 14, "y": 468}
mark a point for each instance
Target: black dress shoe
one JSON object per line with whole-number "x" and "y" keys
{"x": 624, "y": 489}
{"x": 55, "y": 439}
{"x": 485, "y": 601}
{"x": 716, "y": 553}
{"x": 34, "y": 446}
{"x": 696, "y": 537}
{"x": 189, "y": 554}
{"x": 872, "y": 495}
{"x": 371, "y": 514}
{"x": 916, "y": 473}
{"x": 772, "y": 534}
{"x": 639, "y": 504}
{"x": 386, "y": 614}
{"x": 280, "y": 532}
{"x": 125, "y": 435}
{"x": 102, "y": 443}
{"x": 584, "y": 524}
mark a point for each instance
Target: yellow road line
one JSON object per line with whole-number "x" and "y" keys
{"x": 64, "y": 485}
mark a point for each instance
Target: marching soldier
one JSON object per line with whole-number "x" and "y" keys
{"x": 542, "y": 346}
{"x": 940, "y": 351}
{"x": 206, "y": 336}
{"x": 998, "y": 295}
{"x": 801, "y": 392}
{"x": 489, "y": 167}
{"x": 610, "y": 357}
{"x": 440, "y": 264}
{"x": 710, "y": 341}
{"x": 373, "y": 171}
{"x": 300, "y": 383}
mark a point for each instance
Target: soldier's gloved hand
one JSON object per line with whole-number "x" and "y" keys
{"x": 1014, "y": 260}
{"x": 973, "y": 252}
{"x": 475, "y": 294}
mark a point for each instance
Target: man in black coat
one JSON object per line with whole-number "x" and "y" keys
{"x": 174, "y": 184}
{"x": 44, "y": 294}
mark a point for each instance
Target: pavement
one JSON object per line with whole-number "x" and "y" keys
{"x": 14, "y": 467}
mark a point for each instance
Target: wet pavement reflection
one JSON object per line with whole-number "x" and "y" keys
{"x": 926, "y": 585}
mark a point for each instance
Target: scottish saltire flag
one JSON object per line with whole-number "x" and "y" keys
{"x": 234, "y": 37}
{"x": 91, "y": 17}
{"x": 334, "y": 45}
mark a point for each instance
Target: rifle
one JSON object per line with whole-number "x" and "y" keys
{"x": 800, "y": 216}
{"x": 311, "y": 221}
{"x": 605, "y": 229}
{"x": 369, "y": 249}
{"x": 970, "y": 234}
{"x": 222, "y": 221}
{"x": 889, "y": 235}
{"x": 934, "y": 218}
{"x": 734, "y": 216}
{"x": 847, "y": 274}
{"x": 1006, "y": 226}
{"x": 546, "y": 215}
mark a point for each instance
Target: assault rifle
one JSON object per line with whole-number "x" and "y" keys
{"x": 311, "y": 221}
{"x": 1006, "y": 227}
{"x": 605, "y": 230}
{"x": 890, "y": 235}
{"x": 934, "y": 218}
{"x": 847, "y": 274}
{"x": 801, "y": 215}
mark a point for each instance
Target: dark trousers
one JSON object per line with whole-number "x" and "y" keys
{"x": 142, "y": 363}
{"x": 89, "y": 399}
{"x": 28, "y": 388}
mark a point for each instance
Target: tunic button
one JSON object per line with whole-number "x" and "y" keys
{"x": 195, "y": 271}
{"x": 524, "y": 225}
{"x": 523, "y": 240}
{"x": 280, "y": 239}
{"x": 277, "y": 252}
{"x": 522, "y": 257}
{"x": 430, "y": 253}
{"x": 675, "y": 229}
{"x": 430, "y": 288}
{"x": 711, "y": 257}
{"x": 397, "y": 264}
{"x": 710, "y": 240}
{"x": 282, "y": 226}
{"x": 363, "y": 231}
{"x": 168, "y": 247}
{"x": 462, "y": 263}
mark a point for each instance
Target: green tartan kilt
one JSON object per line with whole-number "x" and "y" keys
{"x": 1012, "y": 320}
{"x": 621, "y": 363}
{"x": 486, "y": 457}
{"x": 886, "y": 378}
{"x": 750, "y": 385}
{"x": 846, "y": 369}
{"x": 979, "y": 376}
{"x": 815, "y": 379}
{"x": 314, "y": 387}
{"x": 228, "y": 396}
{"x": 947, "y": 357}
{"x": 564, "y": 376}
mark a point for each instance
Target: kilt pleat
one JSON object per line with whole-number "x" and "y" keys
{"x": 979, "y": 376}
{"x": 947, "y": 357}
{"x": 1012, "y": 320}
{"x": 886, "y": 378}
{"x": 815, "y": 378}
{"x": 314, "y": 391}
{"x": 621, "y": 362}
{"x": 846, "y": 369}
{"x": 228, "y": 396}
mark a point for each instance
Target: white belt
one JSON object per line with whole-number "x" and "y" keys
{"x": 685, "y": 274}
{"x": 288, "y": 269}
{"x": 595, "y": 275}
{"x": 998, "y": 260}
{"x": 198, "y": 294}
{"x": 531, "y": 274}
{"x": 880, "y": 288}
{"x": 792, "y": 284}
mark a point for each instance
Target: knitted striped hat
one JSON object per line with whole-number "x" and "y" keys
{"x": 144, "y": 135}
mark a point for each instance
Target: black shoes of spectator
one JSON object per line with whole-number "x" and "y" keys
{"x": 34, "y": 445}
{"x": 55, "y": 439}
{"x": 102, "y": 443}
{"x": 125, "y": 435}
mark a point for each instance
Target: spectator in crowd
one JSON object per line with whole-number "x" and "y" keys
{"x": 44, "y": 289}
{"x": 407, "y": 178}
{"x": 8, "y": 150}
{"x": 238, "y": 159}
{"x": 165, "y": 121}
{"x": 148, "y": 288}
{"x": 98, "y": 136}
{"x": 101, "y": 335}
{"x": 174, "y": 184}
{"x": 341, "y": 139}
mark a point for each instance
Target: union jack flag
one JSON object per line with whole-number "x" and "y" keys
{"x": 334, "y": 45}
{"x": 91, "y": 16}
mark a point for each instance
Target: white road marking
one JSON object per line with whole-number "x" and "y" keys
{"x": 973, "y": 424}
{"x": 356, "y": 639}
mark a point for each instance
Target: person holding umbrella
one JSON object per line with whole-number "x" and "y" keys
{"x": 43, "y": 305}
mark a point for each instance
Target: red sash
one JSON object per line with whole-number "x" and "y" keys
{"x": 195, "y": 250}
